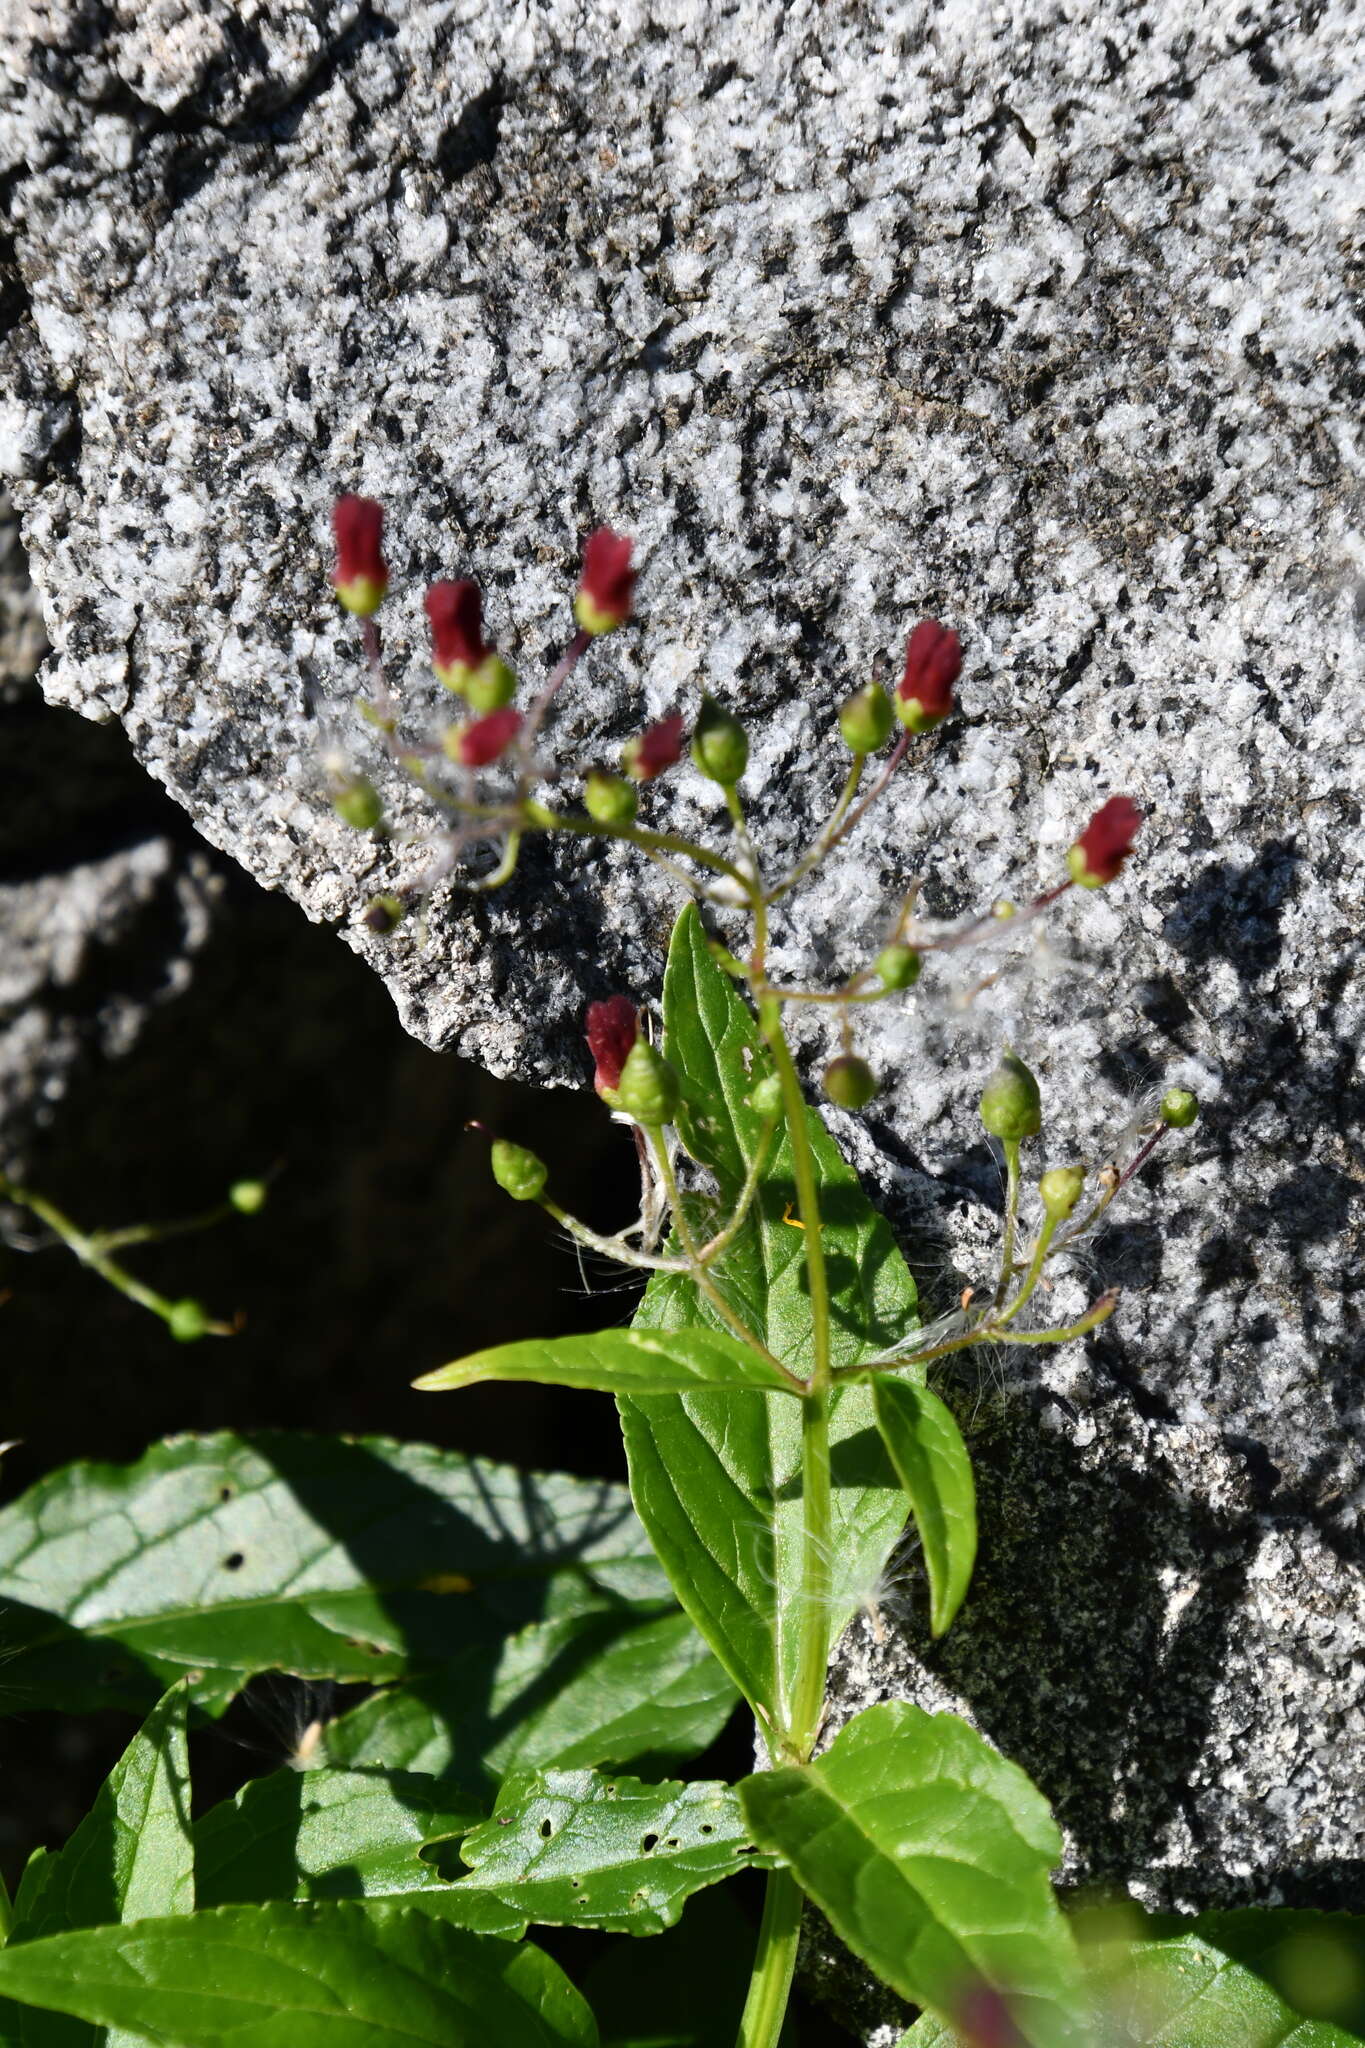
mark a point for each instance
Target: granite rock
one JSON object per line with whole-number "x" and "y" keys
{"x": 1044, "y": 320}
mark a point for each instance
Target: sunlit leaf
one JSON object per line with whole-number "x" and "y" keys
{"x": 614, "y": 1687}
{"x": 927, "y": 1450}
{"x": 221, "y": 1556}
{"x": 929, "y": 1854}
{"x": 584, "y": 1849}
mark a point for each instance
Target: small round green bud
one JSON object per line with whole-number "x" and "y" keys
{"x": 1060, "y": 1190}
{"x": 720, "y": 745}
{"x": 765, "y": 1097}
{"x": 248, "y": 1197}
{"x": 1011, "y": 1106}
{"x": 489, "y": 686}
{"x": 188, "y": 1321}
{"x": 866, "y": 719}
{"x": 1179, "y": 1108}
{"x": 518, "y": 1173}
{"x": 382, "y": 915}
{"x": 850, "y": 1082}
{"x": 648, "y": 1089}
{"x": 357, "y": 804}
{"x": 609, "y": 798}
{"x": 898, "y": 966}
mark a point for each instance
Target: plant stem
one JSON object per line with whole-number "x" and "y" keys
{"x": 1011, "y": 1218}
{"x": 696, "y": 1265}
{"x": 1031, "y": 1278}
{"x": 803, "y": 1172}
{"x": 539, "y": 818}
{"x": 808, "y": 1696}
{"x": 765, "y": 2008}
{"x": 91, "y": 1249}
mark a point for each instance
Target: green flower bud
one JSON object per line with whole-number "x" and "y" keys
{"x": 518, "y": 1173}
{"x": 1179, "y": 1108}
{"x": 648, "y": 1089}
{"x": 765, "y": 1097}
{"x": 489, "y": 686}
{"x": 1011, "y": 1106}
{"x": 357, "y": 804}
{"x": 898, "y": 966}
{"x": 188, "y": 1320}
{"x": 609, "y": 798}
{"x": 850, "y": 1082}
{"x": 866, "y": 719}
{"x": 720, "y": 746}
{"x": 248, "y": 1197}
{"x": 1060, "y": 1190}
{"x": 382, "y": 915}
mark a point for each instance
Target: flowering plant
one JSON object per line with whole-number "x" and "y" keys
{"x": 526, "y": 1640}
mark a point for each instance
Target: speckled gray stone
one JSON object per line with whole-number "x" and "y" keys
{"x": 1042, "y": 319}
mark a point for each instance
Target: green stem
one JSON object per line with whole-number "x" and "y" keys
{"x": 765, "y": 2008}
{"x": 89, "y": 1248}
{"x": 1031, "y": 1278}
{"x": 1011, "y": 1218}
{"x": 539, "y": 818}
{"x": 1098, "y": 1312}
{"x": 808, "y": 1700}
{"x": 808, "y": 1697}
{"x": 816, "y": 852}
{"x": 807, "y": 1199}
{"x": 696, "y": 1265}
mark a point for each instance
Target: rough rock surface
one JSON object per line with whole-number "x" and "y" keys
{"x": 1042, "y": 319}
{"x": 101, "y": 910}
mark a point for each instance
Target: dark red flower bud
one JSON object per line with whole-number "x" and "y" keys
{"x": 484, "y": 740}
{"x": 362, "y": 574}
{"x": 455, "y": 611}
{"x": 612, "y": 1028}
{"x": 1105, "y": 844}
{"x": 607, "y": 583}
{"x": 658, "y": 747}
{"x": 933, "y": 663}
{"x": 461, "y": 657}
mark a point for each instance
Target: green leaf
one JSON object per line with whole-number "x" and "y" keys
{"x": 578, "y": 1849}
{"x": 129, "y": 1859}
{"x": 327, "y": 1834}
{"x": 1260, "y": 1979}
{"x": 929, "y": 1854}
{"x": 221, "y": 1556}
{"x": 718, "y": 1482}
{"x": 620, "y": 1362}
{"x": 608, "y": 1688}
{"x": 927, "y": 1450}
{"x": 1249, "y": 1979}
{"x": 288, "y": 1976}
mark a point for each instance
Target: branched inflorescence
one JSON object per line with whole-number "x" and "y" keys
{"x": 484, "y": 771}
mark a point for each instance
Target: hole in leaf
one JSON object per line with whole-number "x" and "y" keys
{"x": 227, "y": 1493}
{"x": 672, "y": 1842}
{"x": 234, "y": 1563}
{"x": 547, "y": 1828}
{"x": 707, "y": 1828}
{"x": 648, "y": 1842}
